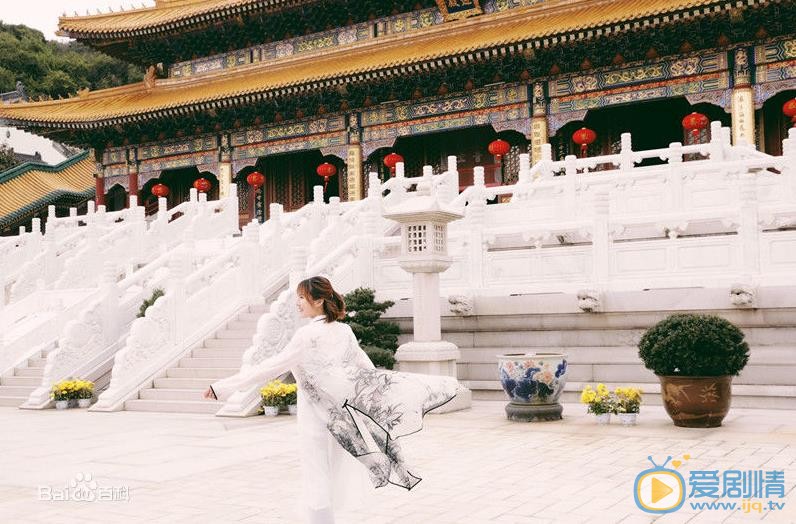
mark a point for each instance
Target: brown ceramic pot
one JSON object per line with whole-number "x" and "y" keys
{"x": 696, "y": 402}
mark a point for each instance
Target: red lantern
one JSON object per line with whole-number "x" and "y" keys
{"x": 160, "y": 190}
{"x": 499, "y": 148}
{"x": 391, "y": 160}
{"x": 695, "y": 122}
{"x": 255, "y": 179}
{"x": 202, "y": 185}
{"x": 583, "y": 137}
{"x": 789, "y": 108}
{"x": 326, "y": 170}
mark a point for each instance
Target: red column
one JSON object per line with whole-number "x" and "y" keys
{"x": 100, "y": 187}
{"x": 132, "y": 179}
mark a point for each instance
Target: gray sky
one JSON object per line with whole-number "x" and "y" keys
{"x": 43, "y": 14}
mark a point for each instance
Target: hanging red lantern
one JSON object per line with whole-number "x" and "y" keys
{"x": 326, "y": 170}
{"x": 499, "y": 148}
{"x": 583, "y": 137}
{"x": 202, "y": 185}
{"x": 789, "y": 108}
{"x": 160, "y": 190}
{"x": 392, "y": 160}
{"x": 695, "y": 123}
{"x": 255, "y": 179}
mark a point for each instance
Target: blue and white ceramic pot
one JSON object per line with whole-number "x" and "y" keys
{"x": 533, "y": 382}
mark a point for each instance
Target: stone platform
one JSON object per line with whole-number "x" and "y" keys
{"x": 477, "y": 467}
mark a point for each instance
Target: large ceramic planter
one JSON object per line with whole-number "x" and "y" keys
{"x": 696, "y": 402}
{"x": 533, "y": 383}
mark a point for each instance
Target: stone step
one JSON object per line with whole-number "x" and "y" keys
{"x": 579, "y": 372}
{"x": 242, "y": 325}
{"x": 21, "y": 381}
{"x": 760, "y": 355}
{"x": 231, "y": 343}
{"x": 249, "y": 317}
{"x": 752, "y": 374}
{"x": 207, "y": 373}
{"x": 549, "y": 340}
{"x": 259, "y": 309}
{"x": 37, "y": 362}
{"x": 172, "y": 394}
{"x": 743, "y": 396}
{"x": 16, "y": 391}
{"x": 174, "y": 406}
{"x": 198, "y": 362}
{"x": 12, "y": 401}
{"x": 225, "y": 334}
{"x": 183, "y": 383}
{"x": 218, "y": 353}
{"x": 29, "y": 372}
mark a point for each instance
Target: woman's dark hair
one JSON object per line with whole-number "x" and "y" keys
{"x": 320, "y": 288}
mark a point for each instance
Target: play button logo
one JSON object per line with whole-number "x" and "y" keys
{"x": 659, "y": 490}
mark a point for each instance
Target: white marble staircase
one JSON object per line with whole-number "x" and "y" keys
{"x": 14, "y": 390}
{"x": 180, "y": 389}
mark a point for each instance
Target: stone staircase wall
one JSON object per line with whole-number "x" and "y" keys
{"x": 602, "y": 347}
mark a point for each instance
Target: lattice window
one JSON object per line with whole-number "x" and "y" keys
{"x": 439, "y": 238}
{"x": 416, "y": 240}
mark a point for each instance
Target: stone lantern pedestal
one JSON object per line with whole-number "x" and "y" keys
{"x": 424, "y": 253}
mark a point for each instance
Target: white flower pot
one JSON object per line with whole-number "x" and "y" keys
{"x": 292, "y": 409}
{"x": 628, "y": 419}
{"x": 83, "y": 402}
{"x": 61, "y": 404}
{"x": 270, "y": 411}
{"x": 603, "y": 418}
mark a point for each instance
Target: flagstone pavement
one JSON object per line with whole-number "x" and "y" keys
{"x": 476, "y": 466}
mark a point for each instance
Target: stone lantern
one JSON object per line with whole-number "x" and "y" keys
{"x": 424, "y": 253}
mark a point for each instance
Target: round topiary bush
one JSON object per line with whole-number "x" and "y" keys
{"x": 694, "y": 346}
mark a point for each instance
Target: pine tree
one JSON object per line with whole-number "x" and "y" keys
{"x": 378, "y": 338}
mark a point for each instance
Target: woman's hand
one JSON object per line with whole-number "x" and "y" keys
{"x": 210, "y": 395}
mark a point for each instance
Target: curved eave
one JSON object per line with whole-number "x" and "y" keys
{"x": 48, "y": 199}
{"x": 155, "y": 20}
{"x": 454, "y": 43}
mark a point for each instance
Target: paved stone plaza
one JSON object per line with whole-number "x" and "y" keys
{"x": 477, "y": 467}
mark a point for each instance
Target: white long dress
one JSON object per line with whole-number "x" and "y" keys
{"x": 347, "y": 410}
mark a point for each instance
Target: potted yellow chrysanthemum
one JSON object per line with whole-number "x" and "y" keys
{"x": 85, "y": 391}
{"x": 599, "y": 401}
{"x": 276, "y": 394}
{"x": 62, "y": 392}
{"x": 628, "y": 404}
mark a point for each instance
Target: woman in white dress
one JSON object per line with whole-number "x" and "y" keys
{"x": 346, "y": 407}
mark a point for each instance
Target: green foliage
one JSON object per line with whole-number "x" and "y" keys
{"x": 156, "y": 293}
{"x": 379, "y": 339}
{"x": 55, "y": 69}
{"x": 7, "y": 160}
{"x": 382, "y": 358}
{"x": 694, "y": 346}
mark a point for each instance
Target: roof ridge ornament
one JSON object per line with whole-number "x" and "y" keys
{"x": 149, "y": 78}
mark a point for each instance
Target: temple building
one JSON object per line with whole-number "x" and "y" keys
{"x": 282, "y": 87}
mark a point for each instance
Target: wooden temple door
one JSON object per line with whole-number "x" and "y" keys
{"x": 289, "y": 178}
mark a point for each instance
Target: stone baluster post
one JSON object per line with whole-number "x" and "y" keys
{"x": 569, "y": 209}
{"x": 674, "y": 176}
{"x": 626, "y": 163}
{"x": 749, "y": 229}
{"x": 600, "y": 241}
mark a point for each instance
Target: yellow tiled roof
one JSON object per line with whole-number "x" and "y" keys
{"x": 37, "y": 183}
{"x": 149, "y": 17}
{"x": 453, "y": 38}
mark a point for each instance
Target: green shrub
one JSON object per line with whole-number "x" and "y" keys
{"x": 693, "y": 346}
{"x": 377, "y": 338}
{"x": 383, "y": 358}
{"x": 156, "y": 293}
